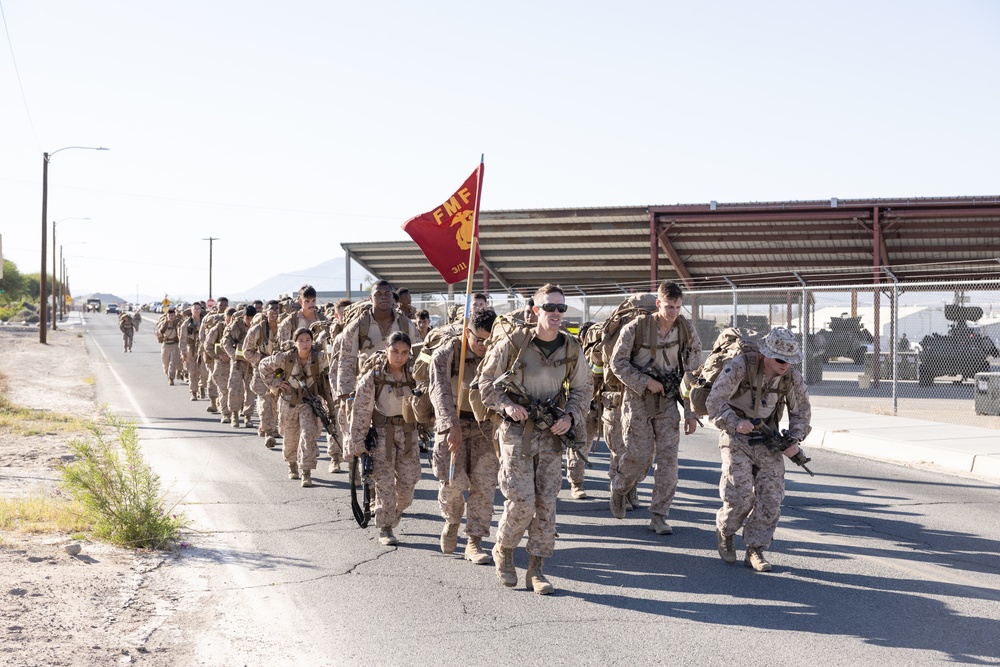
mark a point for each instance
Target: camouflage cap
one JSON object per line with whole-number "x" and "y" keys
{"x": 781, "y": 344}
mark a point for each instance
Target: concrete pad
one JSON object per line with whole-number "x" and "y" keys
{"x": 987, "y": 466}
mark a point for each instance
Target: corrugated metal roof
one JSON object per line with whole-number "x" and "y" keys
{"x": 607, "y": 250}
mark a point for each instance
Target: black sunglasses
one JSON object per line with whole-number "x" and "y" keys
{"x": 781, "y": 361}
{"x": 554, "y": 307}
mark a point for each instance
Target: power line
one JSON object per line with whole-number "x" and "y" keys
{"x": 17, "y": 72}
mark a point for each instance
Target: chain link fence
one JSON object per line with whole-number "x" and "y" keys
{"x": 922, "y": 350}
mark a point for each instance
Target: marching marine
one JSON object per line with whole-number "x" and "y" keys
{"x": 650, "y": 358}
{"x": 167, "y": 335}
{"x": 752, "y": 390}
{"x": 240, "y": 372}
{"x": 262, "y": 341}
{"x": 545, "y": 359}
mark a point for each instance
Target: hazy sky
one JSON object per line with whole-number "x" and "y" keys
{"x": 288, "y": 128}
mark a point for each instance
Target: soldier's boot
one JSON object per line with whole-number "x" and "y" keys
{"x": 617, "y": 503}
{"x": 386, "y": 538}
{"x": 727, "y": 550}
{"x": 632, "y": 499}
{"x": 212, "y": 406}
{"x": 236, "y": 420}
{"x": 658, "y": 525}
{"x": 504, "y": 559}
{"x": 248, "y": 421}
{"x": 535, "y": 579}
{"x": 226, "y": 419}
{"x": 170, "y": 381}
{"x": 201, "y": 393}
{"x": 449, "y": 538}
{"x": 755, "y": 559}
{"x": 307, "y": 480}
{"x": 293, "y": 470}
{"x": 577, "y": 491}
{"x": 474, "y": 551}
{"x": 334, "y": 467}
{"x": 270, "y": 442}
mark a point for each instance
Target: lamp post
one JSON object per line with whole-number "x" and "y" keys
{"x": 62, "y": 274}
{"x": 42, "y": 286}
{"x": 58, "y": 286}
{"x": 210, "y": 240}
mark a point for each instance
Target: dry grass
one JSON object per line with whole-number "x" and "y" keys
{"x": 17, "y": 420}
{"x": 40, "y": 513}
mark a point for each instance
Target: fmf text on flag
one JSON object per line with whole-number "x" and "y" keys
{"x": 445, "y": 234}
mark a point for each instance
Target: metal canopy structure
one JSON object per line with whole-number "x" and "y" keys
{"x": 594, "y": 251}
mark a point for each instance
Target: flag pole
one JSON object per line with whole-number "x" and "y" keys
{"x": 473, "y": 248}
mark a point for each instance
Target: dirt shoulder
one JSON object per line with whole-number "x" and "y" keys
{"x": 103, "y": 605}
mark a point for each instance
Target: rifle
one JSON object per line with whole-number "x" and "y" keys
{"x": 544, "y": 413}
{"x": 671, "y": 380}
{"x": 367, "y": 463}
{"x": 314, "y": 403}
{"x": 778, "y": 442}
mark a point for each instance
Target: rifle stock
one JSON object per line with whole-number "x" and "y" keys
{"x": 544, "y": 413}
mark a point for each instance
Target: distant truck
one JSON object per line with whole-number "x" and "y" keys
{"x": 93, "y": 305}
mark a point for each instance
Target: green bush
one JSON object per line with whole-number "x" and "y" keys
{"x": 7, "y": 313}
{"x": 119, "y": 491}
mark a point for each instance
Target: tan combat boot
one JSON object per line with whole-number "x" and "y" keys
{"x": 474, "y": 551}
{"x": 386, "y": 538}
{"x": 755, "y": 559}
{"x": 270, "y": 442}
{"x": 632, "y": 499}
{"x": 307, "y": 479}
{"x": 293, "y": 470}
{"x": 726, "y": 547}
{"x": 334, "y": 467}
{"x": 236, "y": 420}
{"x": 577, "y": 491}
{"x": 449, "y": 538}
{"x": 535, "y": 579}
{"x": 504, "y": 558}
{"x": 658, "y": 525}
{"x": 617, "y": 502}
{"x": 212, "y": 407}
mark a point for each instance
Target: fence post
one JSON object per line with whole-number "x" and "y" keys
{"x": 802, "y": 328}
{"x": 893, "y": 334}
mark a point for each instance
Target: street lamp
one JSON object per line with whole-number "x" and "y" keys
{"x": 210, "y": 240}
{"x": 42, "y": 287}
{"x": 58, "y": 286}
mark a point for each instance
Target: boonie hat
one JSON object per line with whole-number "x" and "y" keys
{"x": 781, "y": 344}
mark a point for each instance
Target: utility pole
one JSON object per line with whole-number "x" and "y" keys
{"x": 210, "y": 239}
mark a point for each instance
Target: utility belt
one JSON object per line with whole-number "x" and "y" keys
{"x": 379, "y": 420}
{"x": 168, "y": 342}
{"x": 467, "y": 414}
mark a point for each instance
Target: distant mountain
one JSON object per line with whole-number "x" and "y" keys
{"x": 326, "y": 277}
{"x": 105, "y": 298}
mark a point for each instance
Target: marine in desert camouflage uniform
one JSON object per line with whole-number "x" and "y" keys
{"x": 530, "y": 458}
{"x": 240, "y": 373}
{"x": 305, "y": 316}
{"x": 294, "y": 373}
{"x": 752, "y": 485}
{"x": 650, "y": 421}
{"x": 378, "y": 403}
{"x": 461, "y": 438}
{"x": 127, "y": 326}
{"x": 167, "y": 335}
{"x": 190, "y": 340}
{"x": 262, "y": 341}
{"x": 215, "y": 351}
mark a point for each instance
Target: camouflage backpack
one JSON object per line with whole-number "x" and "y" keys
{"x": 362, "y": 310}
{"x": 731, "y": 343}
{"x": 435, "y": 338}
{"x": 380, "y": 362}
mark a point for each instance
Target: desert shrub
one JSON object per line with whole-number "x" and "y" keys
{"x": 119, "y": 491}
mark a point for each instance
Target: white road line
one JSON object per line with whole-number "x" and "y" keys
{"x": 146, "y": 421}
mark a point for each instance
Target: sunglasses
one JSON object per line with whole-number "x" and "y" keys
{"x": 554, "y": 307}
{"x": 780, "y": 361}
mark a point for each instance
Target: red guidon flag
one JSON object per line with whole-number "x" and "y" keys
{"x": 447, "y": 233}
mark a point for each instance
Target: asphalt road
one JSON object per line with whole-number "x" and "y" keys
{"x": 873, "y": 563}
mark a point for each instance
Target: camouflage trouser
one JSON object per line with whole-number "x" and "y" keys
{"x": 267, "y": 405}
{"x": 239, "y": 388}
{"x": 397, "y": 469}
{"x": 612, "y": 423}
{"x": 197, "y": 371}
{"x": 645, "y": 439}
{"x": 750, "y": 500}
{"x": 127, "y": 340}
{"x": 530, "y": 482}
{"x": 476, "y": 468}
{"x": 170, "y": 356}
{"x": 344, "y": 429}
{"x": 300, "y": 426}
{"x": 220, "y": 378}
